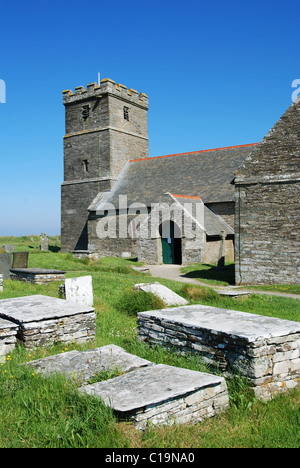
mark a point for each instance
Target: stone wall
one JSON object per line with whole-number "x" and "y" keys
{"x": 97, "y": 144}
{"x": 267, "y": 221}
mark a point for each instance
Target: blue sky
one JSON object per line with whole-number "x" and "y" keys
{"x": 217, "y": 73}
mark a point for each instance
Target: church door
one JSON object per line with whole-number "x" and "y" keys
{"x": 171, "y": 246}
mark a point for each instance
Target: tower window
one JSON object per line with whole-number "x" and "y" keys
{"x": 85, "y": 165}
{"x": 126, "y": 113}
{"x": 85, "y": 112}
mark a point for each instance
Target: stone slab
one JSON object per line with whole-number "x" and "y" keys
{"x": 169, "y": 297}
{"x": 5, "y": 265}
{"x": 162, "y": 394}
{"x": 37, "y": 275}
{"x": 20, "y": 259}
{"x": 231, "y": 292}
{"x": 79, "y": 290}
{"x": 251, "y": 327}
{"x": 81, "y": 366}
{"x": 44, "y": 320}
{"x": 23, "y": 310}
{"x": 9, "y": 248}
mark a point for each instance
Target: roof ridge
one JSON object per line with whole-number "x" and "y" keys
{"x": 192, "y": 152}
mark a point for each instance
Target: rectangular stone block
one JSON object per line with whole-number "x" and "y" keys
{"x": 263, "y": 349}
{"x": 46, "y": 320}
{"x": 162, "y": 395}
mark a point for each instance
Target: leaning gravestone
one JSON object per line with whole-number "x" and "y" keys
{"x": 20, "y": 259}
{"x": 169, "y": 297}
{"x": 79, "y": 290}
{"x": 5, "y": 265}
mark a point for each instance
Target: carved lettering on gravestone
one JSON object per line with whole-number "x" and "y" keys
{"x": 20, "y": 260}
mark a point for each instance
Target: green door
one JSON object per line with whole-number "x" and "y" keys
{"x": 168, "y": 251}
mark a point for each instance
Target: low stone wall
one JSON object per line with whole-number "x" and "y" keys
{"x": 265, "y": 350}
{"x": 8, "y": 338}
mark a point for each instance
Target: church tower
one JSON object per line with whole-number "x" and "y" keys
{"x": 105, "y": 126}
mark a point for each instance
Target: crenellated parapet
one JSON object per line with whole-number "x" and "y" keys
{"x": 107, "y": 87}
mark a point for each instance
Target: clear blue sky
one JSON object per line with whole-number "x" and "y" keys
{"x": 217, "y": 73}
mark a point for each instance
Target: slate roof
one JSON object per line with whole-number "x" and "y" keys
{"x": 206, "y": 174}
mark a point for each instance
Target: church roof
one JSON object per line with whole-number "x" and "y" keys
{"x": 206, "y": 174}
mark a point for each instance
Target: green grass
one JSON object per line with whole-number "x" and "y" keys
{"x": 225, "y": 276}
{"x": 50, "y": 412}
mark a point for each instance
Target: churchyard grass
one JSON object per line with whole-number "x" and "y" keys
{"x": 38, "y": 412}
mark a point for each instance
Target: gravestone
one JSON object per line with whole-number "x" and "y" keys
{"x": 9, "y": 248}
{"x": 5, "y": 265}
{"x": 44, "y": 243}
{"x": 79, "y": 290}
{"x": 20, "y": 259}
{"x": 169, "y": 297}
{"x": 1, "y": 283}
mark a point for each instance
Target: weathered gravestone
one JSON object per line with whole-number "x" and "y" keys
{"x": 167, "y": 295}
{"x": 44, "y": 243}
{"x": 20, "y": 259}
{"x": 1, "y": 283}
{"x": 79, "y": 290}
{"x": 5, "y": 265}
{"x": 9, "y": 248}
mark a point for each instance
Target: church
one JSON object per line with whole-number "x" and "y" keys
{"x": 115, "y": 199}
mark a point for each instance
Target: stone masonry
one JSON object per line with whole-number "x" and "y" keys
{"x": 43, "y": 320}
{"x": 105, "y": 126}
{"x": 143, "y": 392}
{"x": 265, "y": 350}
{"x": 267, "y": 221}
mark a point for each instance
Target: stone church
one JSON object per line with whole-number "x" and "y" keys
{"x": 177, "y": 208}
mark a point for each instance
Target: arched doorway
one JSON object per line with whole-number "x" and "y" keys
{"x": 171, "y": 243}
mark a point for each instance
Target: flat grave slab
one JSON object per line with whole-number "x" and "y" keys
{"x": 44, "y": 320}
{"x": 81, "y": 366}
{"x": 167, "y": 295}
{"x": 161, "y": 394}
{"x": 37, "y": 275}
{"x": 8, "y": 338}
{"x": 264, "y": 349}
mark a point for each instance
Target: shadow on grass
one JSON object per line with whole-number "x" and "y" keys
{"x": 214, "y": 274}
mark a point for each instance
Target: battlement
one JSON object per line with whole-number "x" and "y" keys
{"x": 107, "y": 86}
